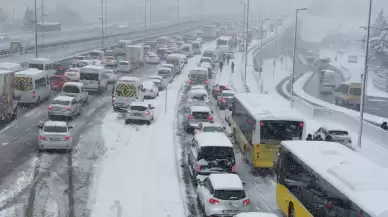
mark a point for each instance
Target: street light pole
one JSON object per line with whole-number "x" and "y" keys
{"x": 42, "y": 6}
{"x": 145, "y": 17}
{"x": 102, "y": 24}
{"x": 243, "y": 41}
{"x": 261, "y": 56}
{"x": 294, "y": 52}
{"x": 246, "y": 42}
{"x": 150, "y": 11}
{"x": 36, "y": 31}
{"x": 178, "y": 15}
{"x": 365, "y": 77}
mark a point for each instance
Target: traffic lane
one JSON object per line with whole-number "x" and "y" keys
{"x": 18, "y": 140}
{"x": 74, "y": 49}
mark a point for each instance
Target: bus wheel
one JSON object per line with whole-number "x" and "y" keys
{"x": 291, "y": 211}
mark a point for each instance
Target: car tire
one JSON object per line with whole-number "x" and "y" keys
{"x": 126, "y": 122}
{"x": 148, "y": 122}
{"x": 157, "y": 94}
{"x": 37, "y": 101}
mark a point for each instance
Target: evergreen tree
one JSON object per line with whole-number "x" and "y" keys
{"x": 28, "y": 18}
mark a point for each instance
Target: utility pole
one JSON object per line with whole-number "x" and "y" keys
{"x": 36, "y": 30}
{"x": 243, "y": 25}
{"x": 246, "y": 43}
{"x": 178, "y": 15}
{"x": 150, "y": 11}
{"x": 42, "y": 8}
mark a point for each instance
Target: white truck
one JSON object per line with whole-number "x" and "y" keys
{"x": 209, "y": 32}
{"x": 135, "y": 55}
{"x": 8, "y": 106}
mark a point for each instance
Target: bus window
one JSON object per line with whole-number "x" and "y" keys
{"x": 281, "y": 130}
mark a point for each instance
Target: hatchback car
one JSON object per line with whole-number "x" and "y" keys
{"x": 152, "y": 58}
{"x": 223, "y": 195}
{"x": 198, "y": 97}
{"x": 55, "y": 135}
{"x": 109, "y": 61}
{"x": 197, "y": 114}
{"x": 64, "y": 106}
{"x": 124, "y": 66}
{"x": 151, "y": 91}
{"x": 73, "y": 74}
{"x": 140, "y": 111}
{"x": 158, "y": 81}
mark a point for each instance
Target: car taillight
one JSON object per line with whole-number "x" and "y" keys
{"x": 197, "y": 168}
{"x": 148, "y": 113}
{"x": 206, "y": 81}
{"x": 50, "y": 107}
{"x": 33, "y": 94}
{"x": 210, "y": 118}
{"x": 43, "y": 138}
{"x": 247, "y": 202}
{"x": 329, "y": 206}
{"x": 190, "y": 117}
{"x": 99, "y": 83}
{"x": 234, "y": 168}
{"x": 213, "y": 201}
{"x": 222, "y": 100}
{"x": 68, "y": 108}
{"x": 190, "y": 81}
{"x": 67, "y": 138}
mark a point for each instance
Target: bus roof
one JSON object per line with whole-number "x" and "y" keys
{"x": 11, "y": 66}
{"x": 358, "y": 178}
{"x": 225, "y": 38}
{"x": 260, "y": 106}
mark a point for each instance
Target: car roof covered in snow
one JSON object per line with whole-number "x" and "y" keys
{"x": 334, "y": 127}
{"x": 138, "y": 103}
{"x": 64, "y": 98}
{"x": 196, "y": 87}
{"x": 198, "y": 91}
{"x": 228, "y": 92}
{"x": 261, "y": 107}
{"x": 255, "y": 214}
{"x": 55, "y": 123}
{"x": 199, "y": 108}
{"x": 166, "y": 65}
{"x": 225, "y": 181}
{"x": 209, "y": 124}
{"x": 128, "y": 78}
{"x": 361, "y": 180}
{"x": 206, "y": 58}
{"x": 213, "y": 139}
{"x": 148, "y": 83}
{"x": 78, "y": 84}
{"x": 156, "y": 77}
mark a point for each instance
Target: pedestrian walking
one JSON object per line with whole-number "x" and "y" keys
{"x": 227, "y": 59}
{"x": 221, "y": 65}
{"x": 232, "y": 66}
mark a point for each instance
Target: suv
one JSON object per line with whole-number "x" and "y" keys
{"x": 223, "y": 194}
{"x": 140, "y": 111}
{"x": 197, "y": 114}
{"x": 348, "y": 94}
{"x": 210, "y": 152}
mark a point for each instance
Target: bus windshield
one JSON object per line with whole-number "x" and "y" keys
{"x": 222, "y": 42}
{"x": 281, "y": 130}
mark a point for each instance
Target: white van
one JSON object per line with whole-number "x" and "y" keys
{"x": 196, "y": 45}
{"x": 13, "y": 67}
{"x": 31, "y": 86}
{"x": 198, "y": 76}
{"x": 187, "y": 49}
{"x": 166, "y": 74}
{"x": 126, "y": 90}
{"x": 94, "y": 78}
{"x": 176, "y": 60}
{"x": 96, "y": 54}
{"x": 42, "y": 64}
{"x": 76, "y": 90}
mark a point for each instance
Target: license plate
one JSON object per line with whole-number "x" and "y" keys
{"x": 229, "y": 211}
{"x": 137, "y": 114}
{"x": 55, "y": 139}
{"x": 18, "y": 97}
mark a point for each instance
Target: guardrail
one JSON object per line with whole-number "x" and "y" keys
{"x": 6, "y": 52}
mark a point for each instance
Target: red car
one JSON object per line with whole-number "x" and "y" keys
{"x": 57, "y": 82}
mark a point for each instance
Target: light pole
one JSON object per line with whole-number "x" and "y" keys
{"x": 365, "y": 77}
{"x": 178, "y": 15}
{"x": 294, "y": 52}
{"x": 150, "y": 11}
{"x": 145, "y": 17}
{"x": 243, "y": 31}
{"x": 246, "y": 43}
{"x": 36, "y": 30}
{"x": 102, "y": 24}
{"x": 261, "y": 55}
{"x": 275, "y": 44}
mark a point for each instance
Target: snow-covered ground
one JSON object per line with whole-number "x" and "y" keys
{"x": 353, "y": 71}
{"x": 376, "y": 152}
{"x": 138, "y": 175}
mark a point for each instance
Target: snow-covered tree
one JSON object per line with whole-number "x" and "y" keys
{"x": 378, "y": 42}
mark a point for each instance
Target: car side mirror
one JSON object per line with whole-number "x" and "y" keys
{"x": 143, "y": 90}
{"x": 224, "y": 127}
{"x": 40, "y": 125}
{"x": 151, "y": 106}
{"x": 200, "y": 182}
{"x": 70, "y": 127}
{"x": 212, "y": 111}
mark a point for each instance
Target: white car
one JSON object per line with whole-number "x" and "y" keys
{"x": 152, "y": 58}
{"x": 197, "y": 87}
{"x": 170, "y": 66}
{"x": 223, "y": 194}
{"x": 198, "y": 97}
{"x": 112, "y": 76}
{"x": 333, "y": 135}
{"x": 150, "y": 89}
{"x": 158, "y": 81}
{"x": 109, "y": 61}
{"x": 73, "y": 74}
{"x": 124, "y": 66}
{"x": 208, "y": 127}
{"x": 140, "y": 111}
{"x": 326, "y": 88}
{"x": 55, "y": 135}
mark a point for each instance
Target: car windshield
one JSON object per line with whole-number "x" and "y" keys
{"x": 338, "y": 132}
{"x": 355, "y": 91}
{"x": 123, "y": 64}
{"x": 156, "y": 80}
{"x": 80, "y": 58}
{"x": 55, "y": 129}
{"x": 199, "y": 96}
{"x": 56, "y": 78}
{"x": 229, "y": 194}
{"x": 70, "y": 89}
{"x": 205, "y": 60}
{"x": 138, "y": 108}
{"x": 207, "y": 54}
{"x": 164, "y": 73}
{"x": 227, "y": 94}
{"x": 36, "y": 66}
{"x": 213, "y": 129}
{"x": 60, "y": 102}
{"x": 200, "y": 115}
{"x": 89, "y": 76}
{"x": 212, "y": 153}
{"x": 72, "y": 70}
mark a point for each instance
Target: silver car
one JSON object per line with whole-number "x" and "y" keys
{"x": 140, "y": 111}
{"x": 64, "y": 106}
{"x": 55, "y": 135}
{"x": 223, "y": 195}
{"x": 124, "y": 66}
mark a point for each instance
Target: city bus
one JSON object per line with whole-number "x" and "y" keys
{"x": 258, "y": 126}
{"x": 316, "y": 178}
